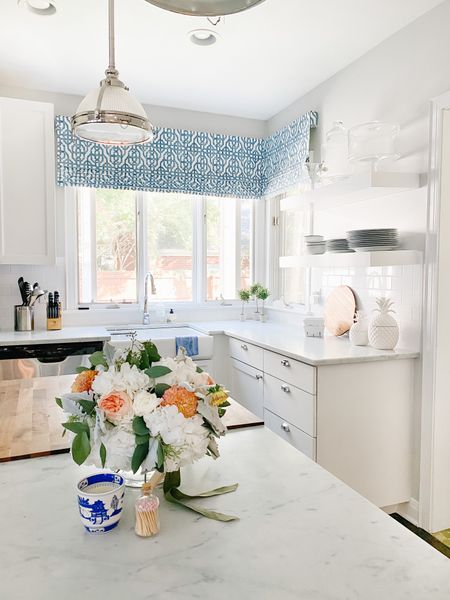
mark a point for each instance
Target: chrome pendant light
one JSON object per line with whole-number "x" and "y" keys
{"x": 110, "y": 114}
{"x": 205, "y": 8}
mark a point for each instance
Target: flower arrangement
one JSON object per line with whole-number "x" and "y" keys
{"x": 132, "y": 409}
{"x": 258, "y": 292}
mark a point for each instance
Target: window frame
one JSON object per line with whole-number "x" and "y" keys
{"x": 199, "y": 252}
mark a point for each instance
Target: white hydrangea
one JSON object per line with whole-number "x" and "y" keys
{"x": 128, "y": 379}
{"x": 145, "y": 403}
{"x": 120, "y": 444}
{"x": 187, "y": 438}
{"x": 183, "y": 372}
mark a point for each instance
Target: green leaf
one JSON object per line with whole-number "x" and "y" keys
{"x": 142, "y": 439}
{"x": 81, "y": 448}
{"x": 139, "y": 426}
{"x": 103, "y": 454}
{"x": 160, "y": 457}
{"x": 152, "y": 351}
{"x": 81, "y": 369}
{"x": 77, "y": 427}
{"x": 199, "y": 370}
{"x": 98, "y": 359}
{"x": 144, "y": 362}
{"x": 139, "y": 455}
{"x": 88, "y": 406}
{"x": 158, "y": 371}
{"x": 225, "y": 404}
{"x": 171, "y": 480}
{"x": 172, "y": 496}
{"x": 160, "y": 388}
{"x": 59, "y": 402}
{"x": 222, "y": 412}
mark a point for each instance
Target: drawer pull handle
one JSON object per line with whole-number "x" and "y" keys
{"x": 244, "y": 346}
{"x": 285, "y": 363}
{"x": 285, "y": 427}
{"x": 286, "y": 389}
{"x": 258, "y": 376}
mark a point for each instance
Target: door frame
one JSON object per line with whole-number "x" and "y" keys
{"x": 430, "y": 458}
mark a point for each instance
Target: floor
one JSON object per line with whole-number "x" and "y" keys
{"x": 31, "y": 420}
{"x": 427, "y": 537}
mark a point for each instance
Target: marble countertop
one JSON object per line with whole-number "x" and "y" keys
{"x": 291, "y": 341}
{"x": 302, "y": 534}
{"x": 67, "y": 334}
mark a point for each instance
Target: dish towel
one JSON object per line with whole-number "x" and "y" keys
{"x": 189, "y": 343}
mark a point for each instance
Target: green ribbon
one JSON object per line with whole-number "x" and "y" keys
{"x": 173, "y": 494}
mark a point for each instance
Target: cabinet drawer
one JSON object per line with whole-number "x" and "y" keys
{"x": 248, "y": 353}
{"x": 291, "y": 403}
{"x": 292, "y": 371}
{"x": 247, "y": 387}
{"x": 297, "y": 438}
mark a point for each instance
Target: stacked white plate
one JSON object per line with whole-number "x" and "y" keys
{"x": 314, "y": 244}
{"x": 337, "y": 246}
{"x": 372, "y": 240}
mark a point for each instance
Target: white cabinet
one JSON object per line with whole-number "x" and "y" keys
{"x": 355, "y": 419}
{"x": 247, "y": 387}
{"x": 27, "y": 182}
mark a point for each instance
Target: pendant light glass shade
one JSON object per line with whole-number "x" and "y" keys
{"x": 110, "y": 114}
{"x": 205, "y": 8}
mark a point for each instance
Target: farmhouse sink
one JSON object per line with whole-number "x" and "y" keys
{"x": 163, "y": 336}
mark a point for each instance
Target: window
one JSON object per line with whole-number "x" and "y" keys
{"x": 107, "y": 249}
{"x": 170, "y": 239}
{"x": 198, "y": 249}
{"x": 293, "y": 227}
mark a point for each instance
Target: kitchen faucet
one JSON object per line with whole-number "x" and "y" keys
{"x": 146, "y": 316}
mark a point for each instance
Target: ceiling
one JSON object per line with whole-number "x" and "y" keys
{"x": 266, "y": 57}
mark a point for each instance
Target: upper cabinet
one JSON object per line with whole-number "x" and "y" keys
{"x": 27, "y": 182}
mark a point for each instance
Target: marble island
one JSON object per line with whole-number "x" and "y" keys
{"x": 302, "y": 533}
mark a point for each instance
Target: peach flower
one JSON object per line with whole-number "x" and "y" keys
{"x": 116, "y": 406}
{"x": 183, "y": 399}
{"x": 83, "y": 381}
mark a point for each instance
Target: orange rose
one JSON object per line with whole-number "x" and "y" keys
{"x": 83, "y": 381}
{"x": 183, "y": 399}
{"x": 115, "y": 405}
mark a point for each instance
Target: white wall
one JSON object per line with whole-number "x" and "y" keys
{"x": 160, "y": 116}
{"x": 394, "y": 82}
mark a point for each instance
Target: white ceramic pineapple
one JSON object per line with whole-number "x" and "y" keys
{"x": 383, "y": 329}
{"x": 358, "y": 333}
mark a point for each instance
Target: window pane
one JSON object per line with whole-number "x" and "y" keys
{"x": 107, "y": 246}
{"x": 170, "y": 219}
{"x": 293, "y": 227}
{"x": 246, "y": 271}
{"x": 229, "y": 246}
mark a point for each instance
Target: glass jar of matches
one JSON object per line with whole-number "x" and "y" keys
{"x": 146, "y": 507}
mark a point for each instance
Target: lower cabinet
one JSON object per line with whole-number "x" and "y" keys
{"x": 354, "y": 419}
{"x": 298, "y": 438}
{"x": 247, "y": 387}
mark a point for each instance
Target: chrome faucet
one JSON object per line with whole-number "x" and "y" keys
{"x": 146, "y": 317}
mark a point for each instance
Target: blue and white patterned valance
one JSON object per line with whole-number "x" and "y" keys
{"x": 188, "y": 161}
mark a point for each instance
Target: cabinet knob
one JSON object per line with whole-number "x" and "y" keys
{"x": 244, "y": 346}
{"x": 286, "y": 388}
{"x": 285, "y": 363}
{"x": 258, "y": 376}
{"x": 285, "y": 427}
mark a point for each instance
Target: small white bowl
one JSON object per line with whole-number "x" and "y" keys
{"x": 319, "y": 249}
{"x": 100, "y": 501}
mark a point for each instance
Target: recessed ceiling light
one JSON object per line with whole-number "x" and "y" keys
{"x": 39, "y": 7}
{"x": 203, "y": 37}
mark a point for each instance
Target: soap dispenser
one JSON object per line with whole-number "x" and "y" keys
{"x": 172, "y": 316}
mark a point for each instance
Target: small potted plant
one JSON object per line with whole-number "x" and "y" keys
{"x": 244, "y": 295}
{"x": 262, "y": 294}
{"x": 254, "y": 289}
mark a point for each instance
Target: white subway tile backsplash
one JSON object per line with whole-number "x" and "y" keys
{"x": 403, "y": 284}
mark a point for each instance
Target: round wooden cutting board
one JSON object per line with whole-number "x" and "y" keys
{"x": 340, "y": 310}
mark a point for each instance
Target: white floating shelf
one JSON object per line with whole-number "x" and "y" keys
{"x": 356, "y": 188}
{"x": 354, "y": 259}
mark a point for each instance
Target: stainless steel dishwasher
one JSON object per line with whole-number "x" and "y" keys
{"x": 28, "y": 361}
